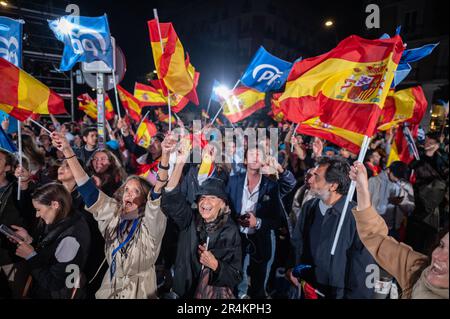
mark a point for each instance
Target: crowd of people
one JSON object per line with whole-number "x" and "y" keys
{"x": 119, "y": 221}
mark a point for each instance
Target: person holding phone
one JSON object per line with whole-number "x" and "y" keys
{"x": 64, "y": 241}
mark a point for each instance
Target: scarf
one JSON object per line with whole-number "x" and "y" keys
{"x": 424, "y": 290}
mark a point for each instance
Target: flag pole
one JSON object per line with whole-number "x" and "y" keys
{"x": 221, "y": 106}
{"x": 155, "y": 14}
{"x": 351, "y": 191}
{"x": 115, "y": 93}
{"x": 19, "y": 141}
{"x": 293, "y": 135}
{"x": 41, "y": 126}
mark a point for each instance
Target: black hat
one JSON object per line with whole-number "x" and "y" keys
{"x": 212, "y": 187}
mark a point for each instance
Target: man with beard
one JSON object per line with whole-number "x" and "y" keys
{"x": 344, "y": 274}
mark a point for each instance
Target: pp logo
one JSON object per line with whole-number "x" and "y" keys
{"x": 270, "y": 74}
{"x": 80, "y": 45}
{"x": 8, "y": 49}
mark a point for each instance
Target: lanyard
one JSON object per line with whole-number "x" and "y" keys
{"x": 122, "y": 244}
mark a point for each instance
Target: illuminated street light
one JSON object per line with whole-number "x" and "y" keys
{"x": 222, "y": 91}
{"x": 329, "y": 23}
{"x": 64, "y": 26}
{"x": 3, "y": 3}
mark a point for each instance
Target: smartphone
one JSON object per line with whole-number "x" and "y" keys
{"x": 8, "y": 232}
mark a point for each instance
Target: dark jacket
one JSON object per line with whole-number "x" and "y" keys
{"x": 344, "y": 274}
{"x": 50, "y": 275}
{"x": 9, "y": 215}
{"x": 270, "y": 208}
{"x": 224, "y": 244}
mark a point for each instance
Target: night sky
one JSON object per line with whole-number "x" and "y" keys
{"x": 128, "y": 24}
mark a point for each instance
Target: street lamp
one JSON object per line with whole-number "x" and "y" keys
{"x": 3, "y": 3}
{"x": 329, "y": 23}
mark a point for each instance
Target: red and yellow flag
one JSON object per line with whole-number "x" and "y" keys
{"x": 172, "y": 66}
{"x": 130, "y": 103}
{"x": 242, "y": 103}
{"x": 346, "y": 87}
{"x": 277, "y": 112}
{"x": 148, "y": 95}
{"x": 22, "y": 95}
{"x": 144, "y": 133}
{"x": 89, "y": 106}
{"x": 164, "y": 118}
{"x": 407, "y": 105}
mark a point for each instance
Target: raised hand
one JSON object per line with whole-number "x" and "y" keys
{"x": 317, "y": 147}
{"x": 60, "y": 142}
{"x": 358, "y": 174}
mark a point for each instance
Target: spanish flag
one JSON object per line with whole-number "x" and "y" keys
{"x": 21, "y": 95}
{"x": 176, "y": 72}
{"x": 130, "y": 103}
{"x": 337, "y": 135}
{"x": 148, "y": 95}
{"x": 89, "y": 106}
{"x": 164, "y": 118}
{"x": 144, "y": 133}
{"x": 346, "y": 87}
{"x": 403, "y": 146}
{"x": 277, "y": 112}
{"x": 407, "y": 105}
{"x": 242, "y": 103}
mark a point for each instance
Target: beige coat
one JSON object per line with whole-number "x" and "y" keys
{"x": 135, "y": 276}
{"x": 398, "y": 259}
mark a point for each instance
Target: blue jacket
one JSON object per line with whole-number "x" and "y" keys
{"x": 344, "y": 274}
{"x": 270, "y": 208}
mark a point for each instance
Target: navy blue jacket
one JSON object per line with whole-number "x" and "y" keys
{"x": 344, "y": 274}
{"x": 270, "y": 208}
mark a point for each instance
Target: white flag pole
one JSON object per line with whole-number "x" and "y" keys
{"x": 115, "y": 93}
{"x": 351, "y": 191}
{"x": 221, "y": 106}
{"x": 293, "y": 135}
{"x": 19, "y": 141}
{"x": 155, "y": 14}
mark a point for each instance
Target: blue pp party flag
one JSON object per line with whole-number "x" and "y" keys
{"x": 266, "y": 72}
{"x": 11, "y": 40}
{"x": 6, "y": 143}
{"x": 416, "y": 54}
{"x": 11, "y": 51}
{"x": 86, "y": 39}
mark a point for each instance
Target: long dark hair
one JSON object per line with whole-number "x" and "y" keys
{"x": 113, "y": 175}
{"x": 54, "y": 192}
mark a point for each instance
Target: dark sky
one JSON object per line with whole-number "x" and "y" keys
{"x": 128, "y": 24}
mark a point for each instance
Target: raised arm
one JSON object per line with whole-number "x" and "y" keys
{"x": 398, "y": 259}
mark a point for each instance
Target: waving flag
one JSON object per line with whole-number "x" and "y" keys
{"x": 86, "y": 39}
{"x": 22, "y": 95}
{"x": 89, "y": 106}
{"x": 130, "y": 103}
{"x": 148, "y": 95}
{"x": 11, "y": 40}
{"x": 345, "y": 88}
{"x": 407, "y": 105}
{"x": 403, "y": 147}
{"x": 242, "y": 103}
{"x": 11, "y": 50}
{"x": 276, "y": 113}
{"x": 266, "y": 72}
{"x": 144, "y": 133}
{"x": 172, "y": 66}
{"x": 164, "y": 118}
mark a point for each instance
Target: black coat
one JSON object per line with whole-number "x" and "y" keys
{"x": 49, "y": 274}
{"x": 224, "y": 244}
{"x": 344, "y": 274}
